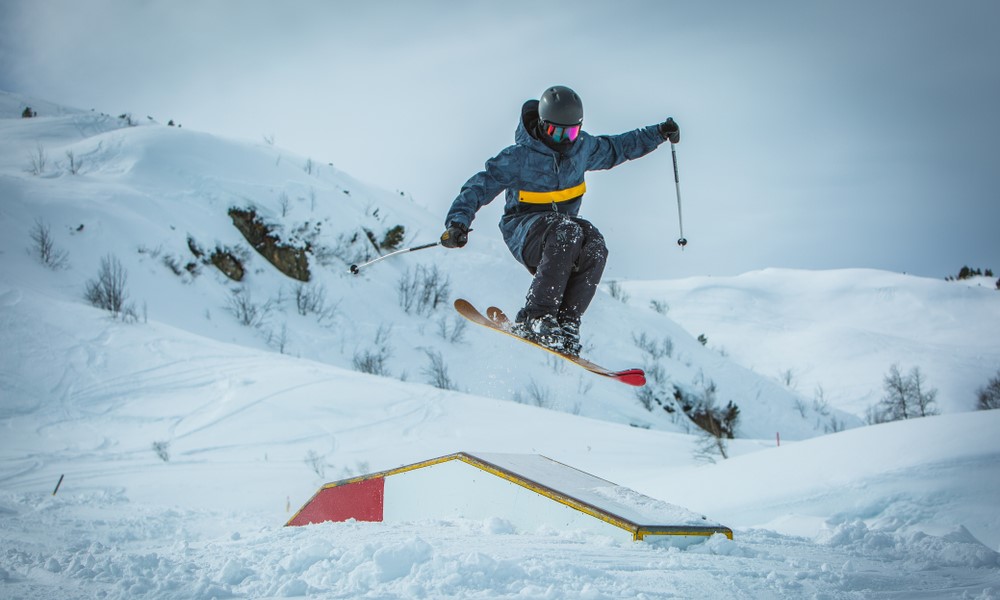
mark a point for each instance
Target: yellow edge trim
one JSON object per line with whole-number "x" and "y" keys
{"x": 641, "y": 533}
{"x": 403, "y": 469}
{"x": 555, "y": 196}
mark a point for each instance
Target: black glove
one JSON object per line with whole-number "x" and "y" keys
{"x": 670, "y": 130}
{"x": 456, "y": 236}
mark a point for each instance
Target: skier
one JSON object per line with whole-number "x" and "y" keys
{"x": 543, "y": 175}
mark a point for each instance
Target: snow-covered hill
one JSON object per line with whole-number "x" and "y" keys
{"x": 186, "y": 437}
{"x": 834, "y": 335}
{"x": 148, "y": 194}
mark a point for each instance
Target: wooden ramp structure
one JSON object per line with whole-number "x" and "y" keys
{"x": 528, "y": 490}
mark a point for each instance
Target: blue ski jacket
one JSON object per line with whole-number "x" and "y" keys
{"x": 539, "y": 178}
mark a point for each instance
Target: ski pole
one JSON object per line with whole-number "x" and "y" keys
{"x": 682, "y": 241}
{"x": 355, "y": 269}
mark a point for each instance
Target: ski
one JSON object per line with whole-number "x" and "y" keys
{"x": 496, "y": 319}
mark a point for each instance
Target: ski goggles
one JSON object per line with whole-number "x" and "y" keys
{"x": 560, "y": 133}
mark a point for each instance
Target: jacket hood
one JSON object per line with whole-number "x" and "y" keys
{"x": 527, "y": 126}
{"x": 526, "y": 133}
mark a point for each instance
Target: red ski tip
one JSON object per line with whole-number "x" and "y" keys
{"x": 636, "y": 377}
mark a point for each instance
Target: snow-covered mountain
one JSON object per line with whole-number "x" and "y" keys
{"x": 217, "y": 405}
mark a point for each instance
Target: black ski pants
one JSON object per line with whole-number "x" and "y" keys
{"x": 567, "y": 256}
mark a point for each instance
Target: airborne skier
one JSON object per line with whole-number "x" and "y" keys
{"x": 543, "y": 175}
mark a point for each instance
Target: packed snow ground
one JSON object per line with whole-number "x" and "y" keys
{"x": 247, "y": 428}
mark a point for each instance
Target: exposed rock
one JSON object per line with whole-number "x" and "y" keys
{"x": 289, "y": 260}
{"x": 228, "y": 264}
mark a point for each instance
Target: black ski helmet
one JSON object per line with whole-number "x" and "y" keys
{"x": 560, "y": 105}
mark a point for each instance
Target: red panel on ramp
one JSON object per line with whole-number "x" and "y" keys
{"x": 362, "y": 500}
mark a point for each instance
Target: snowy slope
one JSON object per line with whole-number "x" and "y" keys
{"x": 186, "y": 439}
{"x": 143, "y": 193}
{"x": 837, "y": 333}
{"x": 906, "y": 508}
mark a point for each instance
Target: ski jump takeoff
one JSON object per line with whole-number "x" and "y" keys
{"x": 543, "y": 176}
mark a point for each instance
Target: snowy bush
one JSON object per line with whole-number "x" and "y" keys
{"x": 311, "y": 299}
{"x": 422, "y": 290}
{"x": 989, "y": 396}
{"x": 535, "y": 395}
{"x": 248, "y": 312}
{"x": 37, "y": 160}
{"x": 660, "y": 306}
{"x": 74, "y": 163}
{"x": 162, "y": 450}
{"x": 349, "y": 247}
{"x": 655, "y": 392}
{"x": 316, "y": 463}
{"x": 452, "y": 331}
{"x": 653, "y": 348}
{"x": 44, "y": 248}
{"x": 617, "y": 292}
{"x": 373, "y": 360}
{"x": 108, "y": 290}
{"x": 437, "y": 372}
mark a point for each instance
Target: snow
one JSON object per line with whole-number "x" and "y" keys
{"x": 251, "y": 421}
{"x": 839, "y": 332}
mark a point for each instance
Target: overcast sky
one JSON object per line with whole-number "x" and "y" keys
{"x": 848, "y": 133}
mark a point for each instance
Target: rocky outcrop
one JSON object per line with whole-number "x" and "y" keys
{"x": 288, "y": 259}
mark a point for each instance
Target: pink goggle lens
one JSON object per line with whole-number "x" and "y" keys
{"x": 559, "y": 133}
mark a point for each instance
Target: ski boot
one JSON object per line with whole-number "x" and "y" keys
{"x": 543, "y": 330}
{"x": 571, "y": 334}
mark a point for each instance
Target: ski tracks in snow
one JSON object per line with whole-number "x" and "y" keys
{"x": 105, "y": 546}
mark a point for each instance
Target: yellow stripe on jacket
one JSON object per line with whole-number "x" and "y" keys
{"x": 555, "y": 196}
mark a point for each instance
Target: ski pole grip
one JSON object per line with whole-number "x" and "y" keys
{"x": 673, "y": 153}
{"x": 431, "y": 245}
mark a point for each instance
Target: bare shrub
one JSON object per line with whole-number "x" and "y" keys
{"x": 162, "y": 450}
{"x": 37, "y": 160}
{"x": 437, "y": 371}
{"x": 248, "y": 312}
{"x": 618, "y": 292}
{"x": 74, "y": 163}
{"x": 278, "y": 339}
{"x": 316, "y": 463}
{"x": 535, "y": 395}
{"x": 452, "y": 331}
{"x": 284, "y": 203}
{"x": 988, "y": 397}
{"x": 905, "y": 397}
{"x": 422, "y": 290}
{"x": 660, "y": 306}
{"x": 108, "y": 290}
{"x": 655, "y": 349}
{"x": 311, "y": 299}
{"x": 44, "y": 248}
{"x": 374, "y": 360}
